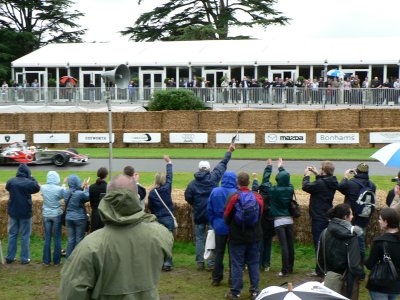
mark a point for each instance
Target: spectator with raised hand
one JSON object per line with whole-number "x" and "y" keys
{"x": 197, "y": 193}
{"x": 96, "y": 191}
{"x": 160, "y": 203}
{"x": 322, "y": 191}
{"x": 19, "y": 209}
{"x": 280, "y": 196}
{"x": 52, "y": 194}
{"x": 130, "y": 171}
{"x": 76, "y": 219}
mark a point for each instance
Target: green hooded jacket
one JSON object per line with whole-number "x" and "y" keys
{"x": 123, "y": 260}
{"x": 280, "y": 194}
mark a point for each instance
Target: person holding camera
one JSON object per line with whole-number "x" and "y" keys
{"x": 322, "y": 192}
{"x": 393, "y": 197}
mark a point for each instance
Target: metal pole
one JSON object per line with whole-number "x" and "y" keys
{"x": 108, "y": 100}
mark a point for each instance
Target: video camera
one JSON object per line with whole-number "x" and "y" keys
{"x": 396, "y": 179}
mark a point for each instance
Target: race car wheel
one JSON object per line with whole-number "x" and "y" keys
{"x": 29, "y": 157}
{"x": 60, "y": 159}
{"x": 73, "y": 150}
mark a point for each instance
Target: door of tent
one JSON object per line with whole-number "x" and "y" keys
{"x": 149, "y": 82}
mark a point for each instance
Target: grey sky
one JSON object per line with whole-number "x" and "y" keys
{"x": 310, "y": 18}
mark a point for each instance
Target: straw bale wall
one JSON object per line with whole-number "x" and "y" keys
{"x": 211, "y": 122}
{"x": 183, "y": 212}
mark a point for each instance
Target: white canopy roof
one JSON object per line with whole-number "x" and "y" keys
{"x": 286, "y": 51}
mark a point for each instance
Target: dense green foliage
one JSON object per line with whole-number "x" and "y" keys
{"x": 199, "y": 19}
{"x": 26, "y": 25}
{"x": 175, "y": 99}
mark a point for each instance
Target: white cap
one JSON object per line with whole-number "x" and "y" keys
{"x": 204, "y": 165}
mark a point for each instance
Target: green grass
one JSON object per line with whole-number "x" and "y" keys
{"x": 35, "y": 281}
{"x": 181, "y": 179}
{"x": 240, "y": 153}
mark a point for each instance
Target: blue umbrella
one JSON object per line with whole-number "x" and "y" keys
{"x": 335, "y": 73}
{"x": 389, "y": 155}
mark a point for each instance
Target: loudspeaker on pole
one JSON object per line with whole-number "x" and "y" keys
{"x": 120, "y": 76}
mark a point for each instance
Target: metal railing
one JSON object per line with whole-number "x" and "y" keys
{"x": 235, "y": 96}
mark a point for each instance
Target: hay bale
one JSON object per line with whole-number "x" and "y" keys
{"x": 67, "y": 122}
{"x": 258, "y": 119}
{"x": 143, "y": 121}
{"x": 379, "y": 118}
{"x": 8, "y": 122}
{"x": 220, "y": 120}
{"x": 295, "y": 119}
{"x": 339, "y": 119}
{"x": 183, "y": 120}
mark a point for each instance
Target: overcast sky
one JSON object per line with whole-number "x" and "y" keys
{"x": 310, "y": 18}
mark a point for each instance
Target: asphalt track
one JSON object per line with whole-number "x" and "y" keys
{"x": 190, "y": 165}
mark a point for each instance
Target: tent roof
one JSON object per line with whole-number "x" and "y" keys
{"x": 287, "y": 51}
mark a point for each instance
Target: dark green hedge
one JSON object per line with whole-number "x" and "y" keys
{"x": 175, "y": 99}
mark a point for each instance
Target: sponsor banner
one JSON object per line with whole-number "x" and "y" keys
{"x": 94, "y": 138}
{"x": 142, "y": 137}
{"x": 285, "y": 138}
{"x": 188, "y": 138}
{"x": 51, "y": 138}
{"x": 384, "y": 137}
{"x": 241, "y": 138}
{"x": 11, "y": 138}
{"x": 338, "y": 138}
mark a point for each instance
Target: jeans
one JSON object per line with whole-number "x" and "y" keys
{"x": 75, "y": 233}
{"x": 316, "y": 229}
{"x": 200, "y": 233}
{"x": 50, "y": 224}
{"x": 239, "y": 255}
{"x": 24, "y": 228}
{"x": 382, "y": 296}
{"x": 361, "y": 242}
{"x": 285, "y": 237}
{"x": 220, "y": 245}
{"x": 169, "y": 223}
{"x": 265, "y": 252}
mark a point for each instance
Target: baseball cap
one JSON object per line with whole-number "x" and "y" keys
{"x": 363, "y": 168}
{"x": 204, "y": 165}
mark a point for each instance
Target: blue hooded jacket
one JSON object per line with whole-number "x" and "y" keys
{"x": 76, "y": 209}
{"x": 21, "y": 188}
{"x": 217, "y": 200}
{"x": 154, "y": 203}
{"x": 52, "y": 194}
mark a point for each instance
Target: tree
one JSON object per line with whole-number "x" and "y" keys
{"x": 12, "y": 46}
{"x": 186, "y": 18}
{"x": 50, "y": 21}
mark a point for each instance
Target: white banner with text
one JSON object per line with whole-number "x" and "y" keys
{"x": 11, "y": 138}
{"x": 384, "y": 137}
{"x": 94, "y": 138}
{"x": 51, "y": 138}
{"x": 285, "y": 138}
{"x": 240, "y": 138}
{"x": 188, "y": 138}
{"x": 145, "y": 137}
{"x": 338, "y": 138}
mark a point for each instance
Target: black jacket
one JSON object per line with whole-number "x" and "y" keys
{"x": 21, "y": 188}
{"x": 199, "y": 189}
{"x": 95, "y": 191}
{"x": 393, "y": 248}
{"x": 390, "y": 197}
{"x": 340, "y": 239}
{"x": 321, "y": 191}
{"x": 350, "y": 189}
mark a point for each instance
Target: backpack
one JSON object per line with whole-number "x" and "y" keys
{"x": 365, "y": 203}
{"x": 247, "y": 210}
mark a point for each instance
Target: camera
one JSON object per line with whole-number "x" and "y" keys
{"x": 352, "y": 171}
{"x": 396, "y": 179}
{"x": 309, "y": 168}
